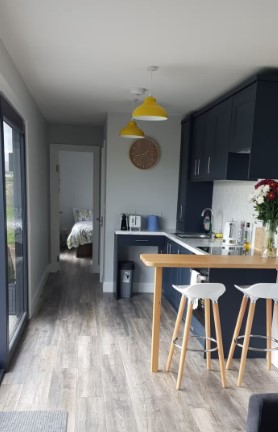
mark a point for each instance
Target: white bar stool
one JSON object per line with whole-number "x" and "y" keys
{"x": 269, "y": 292}
{"x": 208, "y": 292}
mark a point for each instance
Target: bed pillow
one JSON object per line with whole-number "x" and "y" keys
{"x": 82, "y": 215}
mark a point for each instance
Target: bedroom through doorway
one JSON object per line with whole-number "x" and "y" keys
{"x": 74, "y": 197}
{"x": 76, "y": 204}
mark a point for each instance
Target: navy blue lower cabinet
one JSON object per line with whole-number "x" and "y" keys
{"x": 176, "y": 276}
{"x": 167, "y": 274}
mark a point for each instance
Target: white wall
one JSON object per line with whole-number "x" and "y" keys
{"x": 129, "y": 189}
{"x": 37, "y": 162}
{"x": 231, "y": 202}
{"x": 76, "y": 185}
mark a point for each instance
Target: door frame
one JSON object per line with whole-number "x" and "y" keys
{"x": 54, "y": 202}
{"x": 102, "y": 211}
{"x": 8, "y": 345}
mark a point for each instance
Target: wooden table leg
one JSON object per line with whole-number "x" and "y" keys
{"x": 156, "y": 318}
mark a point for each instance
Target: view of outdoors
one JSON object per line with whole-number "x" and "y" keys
{"x": 14, "y": 223}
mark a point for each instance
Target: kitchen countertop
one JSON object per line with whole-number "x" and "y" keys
{"x": 254, "y": 261}
{"x": 189, "y": 243}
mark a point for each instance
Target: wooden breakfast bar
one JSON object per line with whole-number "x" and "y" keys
{"x": 160, "y": 261}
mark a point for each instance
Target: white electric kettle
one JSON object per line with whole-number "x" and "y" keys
{"x": 230, "y": 235}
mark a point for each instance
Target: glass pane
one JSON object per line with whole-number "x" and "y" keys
{"x": 13, "y": 191}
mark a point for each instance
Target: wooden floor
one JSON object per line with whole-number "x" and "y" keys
{"x": 88, "y": 354}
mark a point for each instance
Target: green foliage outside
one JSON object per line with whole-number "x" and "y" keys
{"x": 10, "y": 208}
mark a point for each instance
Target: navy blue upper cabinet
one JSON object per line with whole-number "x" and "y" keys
{"x": 236, "y": 137}
{"x": 218, "y": 140}
{"x": 199, "y": 145}
{"x": 183, "y": 172}
{"x": 211, "y": 135}
{"x": 242, "y": 120}
{"x": 193, "y": 197}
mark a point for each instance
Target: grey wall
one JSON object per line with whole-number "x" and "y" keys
{"x": 76, "y": 185}
{"x": 75, "y": 135}
{"x": 37, "y": 161}
{"x": 129, "y": 189}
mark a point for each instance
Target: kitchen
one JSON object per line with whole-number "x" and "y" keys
{"x": 228, "y": 199}
{"x": 113, "y": 341}
{"x": 237, "y": 200}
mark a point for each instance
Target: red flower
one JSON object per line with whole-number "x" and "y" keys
{"x": 272, "y": 183}
{"x": 271, "y": 195}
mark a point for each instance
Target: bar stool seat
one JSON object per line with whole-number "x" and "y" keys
{"x": 210, "y": 292}
{"x": 269, "y": 292}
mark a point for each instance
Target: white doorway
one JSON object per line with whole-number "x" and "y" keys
{"x": 56, "y": 150}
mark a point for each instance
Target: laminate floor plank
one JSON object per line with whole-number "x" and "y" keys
{"x": 88, "y": 354}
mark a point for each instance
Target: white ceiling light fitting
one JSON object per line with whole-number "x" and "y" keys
{"x": 150, "y": 110}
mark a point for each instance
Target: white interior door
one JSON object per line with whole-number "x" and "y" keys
{"x": 54, "y": 202}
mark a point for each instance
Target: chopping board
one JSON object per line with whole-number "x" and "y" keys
{"x": 259, "y": 239}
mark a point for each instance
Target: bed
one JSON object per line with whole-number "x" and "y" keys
{"x": 81, "y": 235}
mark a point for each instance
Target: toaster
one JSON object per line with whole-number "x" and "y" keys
{"x": 135, "y": 222}
{"x": 230, "y": 234}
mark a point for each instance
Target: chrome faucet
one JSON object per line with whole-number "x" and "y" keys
{"x": 211, "y": 218}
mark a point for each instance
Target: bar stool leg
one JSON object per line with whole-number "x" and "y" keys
{"x": 219, "y": 342}
{"x": 246, "y": 342}
{"x": 268, "y": 330}
{"x": 176, "y": 331}
{"x": 184, "y": 343}
{"x": 208, "y": 333}
{"x": 237, "y": 330}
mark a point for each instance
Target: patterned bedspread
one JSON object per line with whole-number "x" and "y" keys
{"x": 81, "y": 233}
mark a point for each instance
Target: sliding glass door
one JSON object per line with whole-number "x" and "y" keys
{"x": 13, "y": 243}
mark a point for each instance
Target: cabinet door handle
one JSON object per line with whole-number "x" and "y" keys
{"x": 209, "y": 165}
{"x": 199, "y": 160}
{"x": 181, "y": 212}
{"x": 195, "y": 167}
{"x": 142, "y": 240}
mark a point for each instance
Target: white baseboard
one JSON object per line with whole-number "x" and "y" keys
{"x": 35, "y": 300}
{"x": 52, "y": 268}
{"x": 143, "y": 287}
{"x": 108, "y": 287}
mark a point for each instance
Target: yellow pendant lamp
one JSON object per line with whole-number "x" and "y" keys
{"x": 150, "y": 110}
{"x": 131, "y": 131}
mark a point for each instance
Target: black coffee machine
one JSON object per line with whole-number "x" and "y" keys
{"x": 124, "y": 222}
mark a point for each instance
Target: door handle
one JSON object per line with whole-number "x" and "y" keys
{"x": 181, "y": 212}
{"x": 199, "y": 160}
{"x": 209, "y": 165}
{"x": 100, "y": 220}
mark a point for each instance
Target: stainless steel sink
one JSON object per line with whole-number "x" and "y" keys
{"x": 193, "y": 235}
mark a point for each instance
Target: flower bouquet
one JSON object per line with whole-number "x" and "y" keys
{"x": 265, "y": 199}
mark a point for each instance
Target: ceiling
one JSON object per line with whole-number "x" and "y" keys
{"x": 80, "y": 58}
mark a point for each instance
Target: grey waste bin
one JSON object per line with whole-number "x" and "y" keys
{"x": 126, "y": 272}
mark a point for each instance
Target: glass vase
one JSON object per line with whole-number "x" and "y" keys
{"x": 269, "y": 246}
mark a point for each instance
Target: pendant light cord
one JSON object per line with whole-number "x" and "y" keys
{"x": 151, "y": 83}
{"x": 132, "y": 107}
